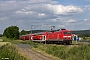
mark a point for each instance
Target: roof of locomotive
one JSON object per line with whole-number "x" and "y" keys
{"x": 27, "y": 34}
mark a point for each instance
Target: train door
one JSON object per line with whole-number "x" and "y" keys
{"x": 61, "y": 36}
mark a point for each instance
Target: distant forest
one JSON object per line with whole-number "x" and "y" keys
{"x": 78, "y": 32}
{"x": 82, "y": 33}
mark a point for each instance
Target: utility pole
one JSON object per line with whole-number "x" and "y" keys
{"x": 31, "y": 29}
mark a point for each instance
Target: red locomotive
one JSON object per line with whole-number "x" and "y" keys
{"x": 60, "y": 36}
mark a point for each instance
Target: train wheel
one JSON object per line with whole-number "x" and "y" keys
{"x": 68, "y": 43}
{"x": 44, "y": 42}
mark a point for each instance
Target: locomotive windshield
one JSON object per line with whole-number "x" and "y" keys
{"x": 67, "y": 32}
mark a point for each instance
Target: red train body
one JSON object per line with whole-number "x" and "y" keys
{"x": 63, "y": 35}
{"x": 25, "y": 37}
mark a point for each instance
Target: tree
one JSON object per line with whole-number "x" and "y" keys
{"x": 11, "y": 32}
{"x": 1, "y": 35}
{"x": 24, "y": 32}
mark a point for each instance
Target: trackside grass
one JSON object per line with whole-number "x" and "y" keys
{"x": 9, "y": 52}
{"x": 63, "y": 52}
{"x": 3, "y": 43}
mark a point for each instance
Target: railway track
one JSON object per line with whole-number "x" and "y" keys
{"x": 31, "y": 53}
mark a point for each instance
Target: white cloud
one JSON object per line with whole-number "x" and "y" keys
{"x": 71, "y": 21}
{"x": 64, "y": 10}
{"x": 42, "y": 14}
{"x": 3, "y": 18}
{"x": 43, "y": 1}
{"x": 24, "y": 12}
{"x": 87, "y": 7}
{"x": 51, "y": 9}
{"x": 86, "y": 19}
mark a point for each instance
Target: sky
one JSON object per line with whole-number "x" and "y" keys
{"x": 42, "y": 14}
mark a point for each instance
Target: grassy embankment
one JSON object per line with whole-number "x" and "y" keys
{"x": 64, "y": 52}
{"x": 81, "y": 52}
{"x": 9, "y": 52}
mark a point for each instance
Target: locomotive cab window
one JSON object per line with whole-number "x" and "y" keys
{"x": 67, "y": 32}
